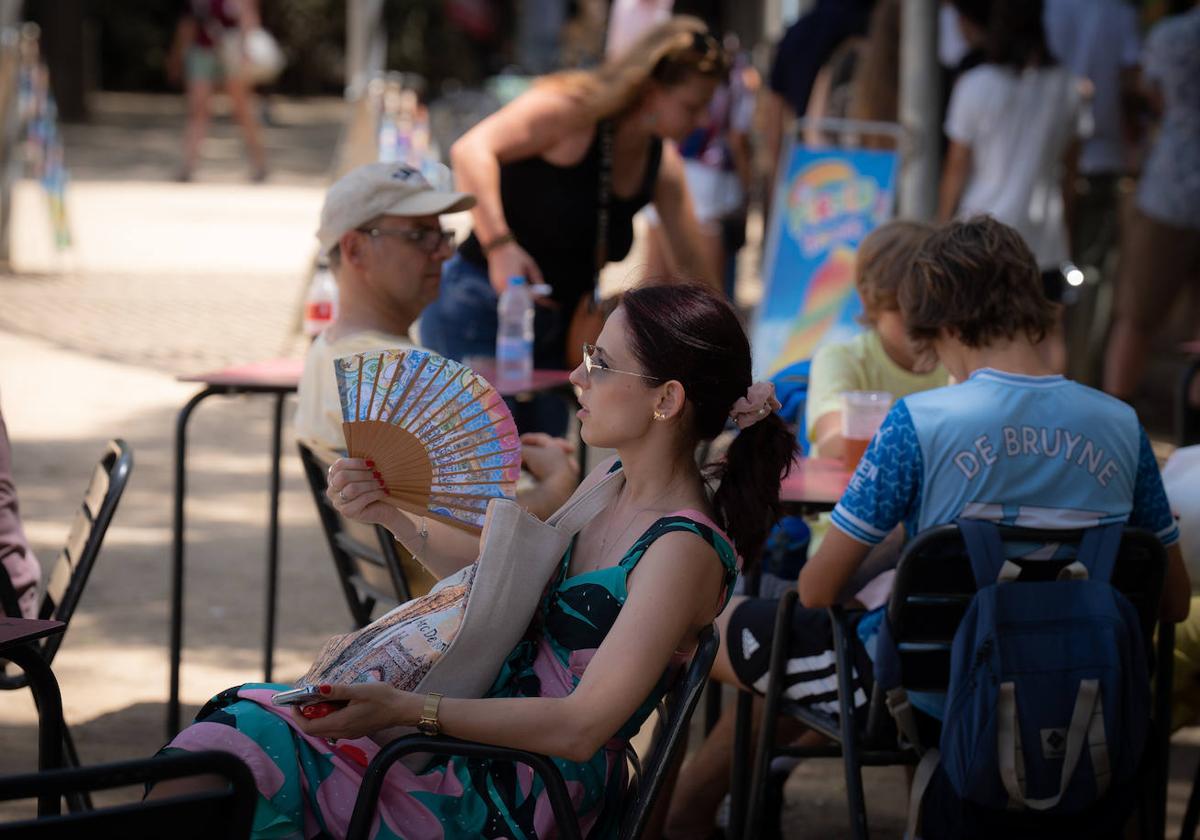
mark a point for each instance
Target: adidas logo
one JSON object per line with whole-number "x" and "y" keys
{"x": 749, "y": 643}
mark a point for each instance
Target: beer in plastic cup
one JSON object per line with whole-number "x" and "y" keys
{"x": 862, "y": 415}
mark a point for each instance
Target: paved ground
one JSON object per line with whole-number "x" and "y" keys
{"x": 171, "y": 278}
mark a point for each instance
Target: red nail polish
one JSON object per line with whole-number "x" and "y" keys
{"x": 377, "y": 474}
{"x": 370, "y": 464}
{"x": 325, "y": 689}
{"x": 381, "y": 484}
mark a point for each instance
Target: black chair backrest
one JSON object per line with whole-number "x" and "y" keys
{"x": 71, "y": 569}
{"x": 226, "y": 812}
{"x": 934, "y": 584}
{"x": 369, "y": 565}
{"x": 674, "y": 714}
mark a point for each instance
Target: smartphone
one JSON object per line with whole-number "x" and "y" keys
{"x": 297, "y": 696}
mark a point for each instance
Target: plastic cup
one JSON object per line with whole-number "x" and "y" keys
{"x": 862, "y": 415}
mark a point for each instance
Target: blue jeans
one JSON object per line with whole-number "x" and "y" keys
{"x": 462, "y": 322}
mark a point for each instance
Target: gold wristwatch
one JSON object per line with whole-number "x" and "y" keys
{"x": 427, "y": 723}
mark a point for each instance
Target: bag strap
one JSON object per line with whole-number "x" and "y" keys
{"x": 920, "y": 783}
{"x": 1086, "y": 729}
{"x": 1099, "y": 548}
{"x": 986, "y": 552}
{"x": 890, "y": 680}
{"x": 584, "y": 506}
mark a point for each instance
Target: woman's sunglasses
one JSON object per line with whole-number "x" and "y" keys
{"x": 591, "y": 363}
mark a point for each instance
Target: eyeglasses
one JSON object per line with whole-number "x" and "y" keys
{"x": 591, "y": 363}
{"x": 429, "y": 240}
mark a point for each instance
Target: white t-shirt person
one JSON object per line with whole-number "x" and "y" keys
{"x": 318, "y": 420}
{"x": 1018, "y": 126}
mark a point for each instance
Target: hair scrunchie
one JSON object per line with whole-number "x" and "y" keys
{"x": 757, "y": 404}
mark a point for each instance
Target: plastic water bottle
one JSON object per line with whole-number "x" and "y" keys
{"x": 514, "y": 336}
{"x": 320, "y": 304}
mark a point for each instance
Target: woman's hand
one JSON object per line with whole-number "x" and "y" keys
{"x": 552, "y": 462}
{"x": 356, "y": 490}
{"x": 548, "y": 457}
{"x": 510, "y": 260}
{"x": 370, "y": 707}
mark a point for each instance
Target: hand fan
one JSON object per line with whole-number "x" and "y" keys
{"x": 440, "y": 435}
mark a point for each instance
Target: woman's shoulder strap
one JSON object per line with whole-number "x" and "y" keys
{"x": 689, "y": 521}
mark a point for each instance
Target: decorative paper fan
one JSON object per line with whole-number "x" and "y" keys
{"x": 439, "y": 433}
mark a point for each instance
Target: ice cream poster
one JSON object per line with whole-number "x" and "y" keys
{"x": 826, "y": 202}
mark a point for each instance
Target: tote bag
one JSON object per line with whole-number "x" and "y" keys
{"x": 454, "y": 639}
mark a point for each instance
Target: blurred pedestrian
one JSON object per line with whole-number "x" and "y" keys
{"x": 20, "y": 569}
{"x": 1014, "y": 124}
{"x": 208, "y": 37}
{"x": 1160, "y": 251}
{"x": 1098, "y": 40}
{"x": 558, "y": 174}
{"x": 717, "y": 159}
{"x": 803, "y": 50}
{"x": 860, "y": 82}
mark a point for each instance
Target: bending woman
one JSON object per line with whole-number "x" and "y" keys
{"x": 535, "y": 168}
{"x": 650, "y": 572}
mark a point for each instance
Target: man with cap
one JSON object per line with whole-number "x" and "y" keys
{"x": 383, "y": 239}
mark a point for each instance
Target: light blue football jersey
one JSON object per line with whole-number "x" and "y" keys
{"x": 1031, "y": 451}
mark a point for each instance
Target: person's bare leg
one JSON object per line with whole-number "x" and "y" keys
{"x": 704, "y": 781}
{"x": 1125, "y": 358}
{"x": 187, "y": 785}
{"x": 199, "y": 99}
{"x": 705, "y": 778}
{"x": 241, "y": 99}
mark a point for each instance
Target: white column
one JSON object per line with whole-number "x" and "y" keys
{"x": 920, "y": 97}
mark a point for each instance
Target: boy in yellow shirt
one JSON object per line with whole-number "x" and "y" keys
{"x": 881, "y": 357}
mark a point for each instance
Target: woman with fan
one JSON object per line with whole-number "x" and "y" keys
{"x": 633, "y": 591}
{"x": 558, "y": 175}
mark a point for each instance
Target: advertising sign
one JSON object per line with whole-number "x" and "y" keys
{"x": 827, "y": 200}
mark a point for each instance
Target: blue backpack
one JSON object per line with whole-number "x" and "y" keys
{"x": 1049, "y": 696}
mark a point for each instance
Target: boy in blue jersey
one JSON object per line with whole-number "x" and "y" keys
{"x": 1012, "y": 442}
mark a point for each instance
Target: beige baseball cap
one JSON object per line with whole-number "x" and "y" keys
{"x": 382, "y": 189}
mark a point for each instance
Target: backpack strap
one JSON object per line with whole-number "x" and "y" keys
{"x": 1085, "y": 730}
{"x": 890, "y": 681}
{"x": 922, "y": 776}
{"x": 1099, "y": 548}
{"x": 986, "y": 552}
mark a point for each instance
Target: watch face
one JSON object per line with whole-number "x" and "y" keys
{"x": 427, "y": 727}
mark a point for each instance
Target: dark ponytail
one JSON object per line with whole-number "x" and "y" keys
{"x": 688, "y": 333}
{"x": 747, "y": 499}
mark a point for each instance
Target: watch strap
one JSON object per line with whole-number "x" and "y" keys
{"x": 428, "y": 722}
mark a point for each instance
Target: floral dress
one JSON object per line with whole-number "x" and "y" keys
{"x": 307, "y": 788}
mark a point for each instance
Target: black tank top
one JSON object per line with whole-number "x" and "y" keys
{"x": 552, "y": 211}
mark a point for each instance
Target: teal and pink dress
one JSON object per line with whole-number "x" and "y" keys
{"x": 307, "y": 788}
